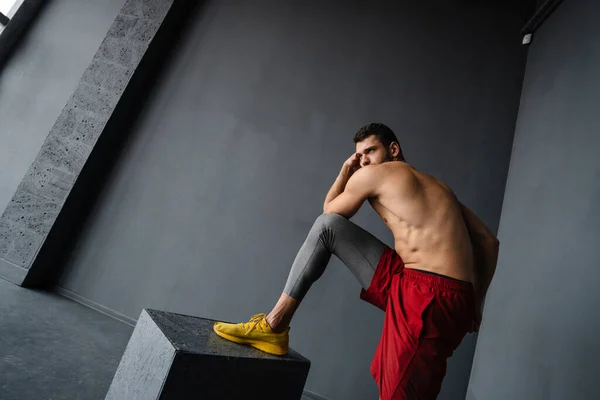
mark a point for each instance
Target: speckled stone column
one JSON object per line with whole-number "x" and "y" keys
{"x": 39, "y": 199}
{"x": 173, "y": 357}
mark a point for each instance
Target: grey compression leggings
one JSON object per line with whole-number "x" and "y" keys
{"x": 333, "y": 234}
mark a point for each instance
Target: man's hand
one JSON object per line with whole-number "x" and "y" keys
{"x": 351, "y": 165}
{"x": 346, "y": 203}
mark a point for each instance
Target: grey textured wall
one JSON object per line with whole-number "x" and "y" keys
{"x": 539, "y": 333}
{"x": 230, "y": 164}
{"x": 41, "y": 75}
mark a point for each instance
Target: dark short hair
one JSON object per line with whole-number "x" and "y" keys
{"x": 382, "y": 132}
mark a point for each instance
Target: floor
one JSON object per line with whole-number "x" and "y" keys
{"x": 52, "y": 348}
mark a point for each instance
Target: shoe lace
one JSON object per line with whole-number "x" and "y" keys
{"x": 255, "y": 322}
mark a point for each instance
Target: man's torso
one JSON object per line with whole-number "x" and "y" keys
{"x": 426, "y": 221}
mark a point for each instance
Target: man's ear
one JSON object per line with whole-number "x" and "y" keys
{"x": 394, "y": 149}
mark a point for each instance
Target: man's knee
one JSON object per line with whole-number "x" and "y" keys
{"x": 330, "y": 220}
{"x": 325, "y": 228}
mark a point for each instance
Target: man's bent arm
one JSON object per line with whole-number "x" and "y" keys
{"x": 337, "y": 188}
{"x": 361, "y": 186}
{"x": 486, "y": 259}
{"x": 485, "y": 249}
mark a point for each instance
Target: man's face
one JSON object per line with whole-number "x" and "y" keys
{"x": 371, "y": 152}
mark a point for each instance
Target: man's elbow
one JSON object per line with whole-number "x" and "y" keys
{"x": 342, "y": 213}
{"x": 487, "y": 243}
{"x": 492, "y": 247}
{"x": 494, "y": 242}
{"x": 328, "y": 209}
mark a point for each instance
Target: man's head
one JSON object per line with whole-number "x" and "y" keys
{"x": 376, "y": 144}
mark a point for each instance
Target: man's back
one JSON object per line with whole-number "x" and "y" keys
{"x": 426, "y": 220}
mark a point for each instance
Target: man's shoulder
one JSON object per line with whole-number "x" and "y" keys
{"x": 387, "y": 170}
{"x": 394, "y": 169}
{"x": 382, "y": 175}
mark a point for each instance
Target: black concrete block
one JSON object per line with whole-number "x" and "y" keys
{"x": 174, "y": 357}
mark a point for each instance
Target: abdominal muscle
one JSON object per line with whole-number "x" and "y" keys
{"x": 434, "y": 240}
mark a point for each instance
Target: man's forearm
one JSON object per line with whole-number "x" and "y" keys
{"x": 338, "y": 187}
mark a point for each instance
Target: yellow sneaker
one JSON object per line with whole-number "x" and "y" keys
{"x": 257, "y": 333}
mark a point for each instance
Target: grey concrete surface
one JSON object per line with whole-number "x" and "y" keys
{"x": 230, "y": 163}
{"x": 54, "y": 349}
{"x": 538, "y": 339}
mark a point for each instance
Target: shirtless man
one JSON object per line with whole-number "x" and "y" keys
{"x": 430, "y": 285}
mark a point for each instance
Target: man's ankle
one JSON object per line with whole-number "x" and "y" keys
{"x": 276, "y": 326}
